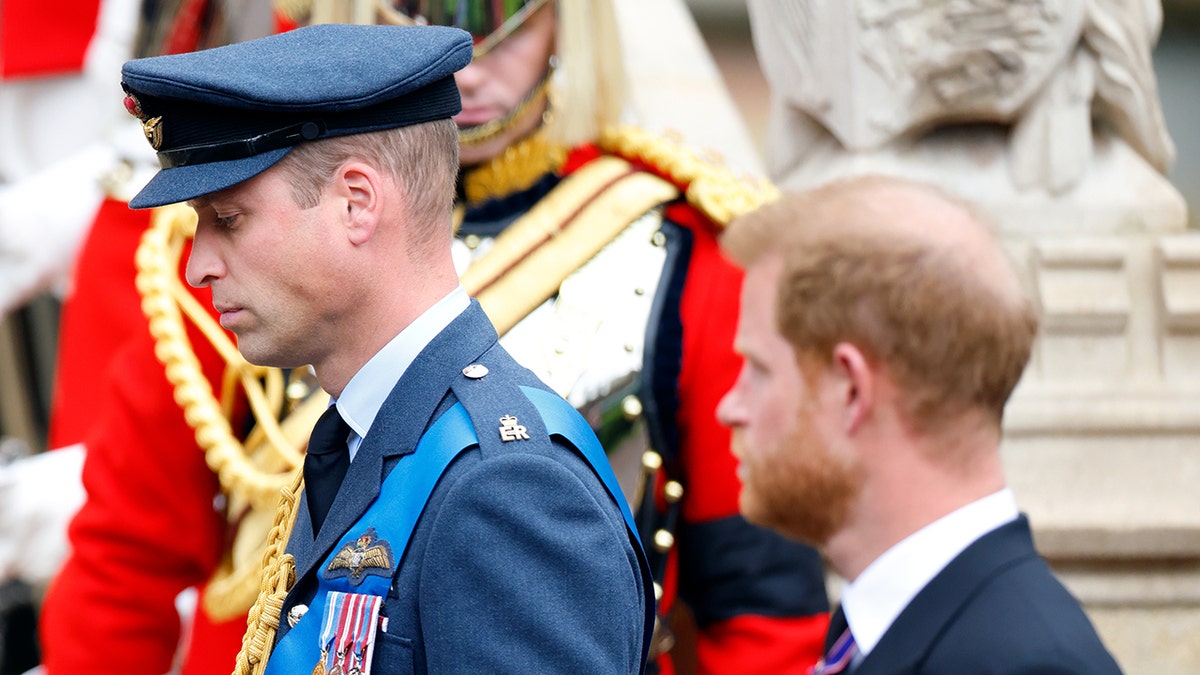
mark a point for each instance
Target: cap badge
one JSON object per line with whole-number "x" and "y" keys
{"x": 511, "y": 431}
{"x": 365, "y": 556}
{"x": 475, "y": 371}
{"x": 153, "y": 130}
{"x": 151, "y": 127}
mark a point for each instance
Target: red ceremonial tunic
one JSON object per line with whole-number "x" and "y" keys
{"x": 149, "y": 528}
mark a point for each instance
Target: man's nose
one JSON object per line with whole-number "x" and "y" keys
{"x": 729, "y": 410}
{"x": 203, "y": 265}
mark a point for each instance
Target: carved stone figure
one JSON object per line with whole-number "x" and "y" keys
{"x": 879, "y": 72}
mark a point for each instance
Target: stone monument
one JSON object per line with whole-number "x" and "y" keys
{"x": 1046, "y": 114}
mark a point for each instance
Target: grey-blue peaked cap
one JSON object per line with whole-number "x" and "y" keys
{"x": 220, "y": 116}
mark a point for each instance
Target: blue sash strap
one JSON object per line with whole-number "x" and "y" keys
{"x": 562, "y": 419}
{"x": 402, "y": 498}
{"x": 393, "y": 519}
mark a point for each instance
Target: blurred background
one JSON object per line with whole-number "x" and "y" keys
{"x": 28, "y": 336}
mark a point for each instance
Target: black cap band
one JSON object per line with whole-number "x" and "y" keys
{"x": 240, "y": 149}
{"x": 439, "y": 100}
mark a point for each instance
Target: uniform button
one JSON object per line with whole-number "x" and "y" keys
{"x": 673, "y": 491}
{"x": 663, "y": 541}
{"x": 296, "y": 613}
{"x": 631, "y": 406}
{"x": 475, "y": 371}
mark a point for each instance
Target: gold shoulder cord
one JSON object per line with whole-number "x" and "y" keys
{"x": 239, "y": 467}
{"x": 709, "y": 187}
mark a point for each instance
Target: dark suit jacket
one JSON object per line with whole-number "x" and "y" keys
{"x": 996, "y": 608}
{"x": 521, "y": 561}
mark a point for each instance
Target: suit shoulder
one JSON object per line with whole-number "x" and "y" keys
{"x": 1023, "y": 620}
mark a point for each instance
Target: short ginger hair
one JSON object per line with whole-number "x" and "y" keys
{"x": 910, "y": 276}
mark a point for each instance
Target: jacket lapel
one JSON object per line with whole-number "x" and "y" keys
{"x": 917, "y": 628}
{"x": 406, "y": 413}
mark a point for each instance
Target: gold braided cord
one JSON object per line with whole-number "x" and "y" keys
{"x": 251, "y": 474}
{"x": 708, "y": 186}
{"x": 262, "y": 623}
{"x": 235, "y": 583}
{"x": 165, "y": 301}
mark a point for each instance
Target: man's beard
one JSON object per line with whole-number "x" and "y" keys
{"x": 800, "y": 489}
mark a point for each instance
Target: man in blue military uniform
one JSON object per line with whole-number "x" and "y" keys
{"x": 456, "y": 515}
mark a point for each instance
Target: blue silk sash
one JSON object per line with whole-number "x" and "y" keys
{"x": 402, "y": 498}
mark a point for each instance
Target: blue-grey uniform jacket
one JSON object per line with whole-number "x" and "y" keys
{"x": 521, "y": 561}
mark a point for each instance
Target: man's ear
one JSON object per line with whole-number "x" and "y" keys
{"x": 854, "y": 383}
{"x": 361, "y": 186}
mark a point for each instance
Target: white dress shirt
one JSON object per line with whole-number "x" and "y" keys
{"x": 874, "y": 600}
{"x": 365, "y": 393}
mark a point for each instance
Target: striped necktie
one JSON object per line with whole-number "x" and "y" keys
{"x": 838, "y": 658}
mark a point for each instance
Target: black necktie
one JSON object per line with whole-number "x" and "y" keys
{"x": 325, "y": 464}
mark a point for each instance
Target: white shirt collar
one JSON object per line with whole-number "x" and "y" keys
{"x": 365, "y": 393}
{"x": 874, "y": 600}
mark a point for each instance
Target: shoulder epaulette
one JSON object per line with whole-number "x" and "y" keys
{"x": 528, "y": 262}
{"x": 708, "y": 186}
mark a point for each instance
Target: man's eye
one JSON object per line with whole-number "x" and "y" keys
{"x": 226, "y": 222}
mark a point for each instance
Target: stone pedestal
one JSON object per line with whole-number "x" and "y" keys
{"x": 1103, "y": 437}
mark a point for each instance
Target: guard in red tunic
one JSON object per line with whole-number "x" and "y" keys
{"x": 153, "y": 525}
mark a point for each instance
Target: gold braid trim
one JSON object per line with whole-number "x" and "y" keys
{"x": 708, "y": 186}
{"x": 251, "y": 475}
{"x": 517, "y": 168}
{"x": 163, "y": 298}
{"x": 529, "y": 261}
{"x": 279, "y": 576}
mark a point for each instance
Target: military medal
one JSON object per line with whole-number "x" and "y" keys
{"x": 348, "y": 634}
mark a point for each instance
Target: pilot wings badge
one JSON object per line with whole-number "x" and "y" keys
{"x": 358, "y": 559}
